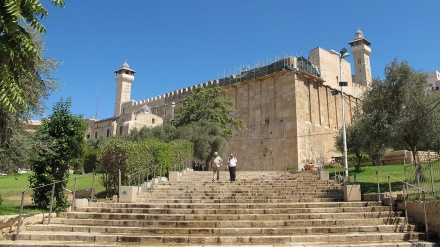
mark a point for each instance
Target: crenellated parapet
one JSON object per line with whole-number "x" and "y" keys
{"x": 162, "y": 105}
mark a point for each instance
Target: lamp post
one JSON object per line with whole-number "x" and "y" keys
{"x": 343, "y": 54}
{"x": 173, "y": 105}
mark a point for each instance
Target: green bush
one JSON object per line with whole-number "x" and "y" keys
{"x": 90, "y": 160}
{"x": 182, "y": 153}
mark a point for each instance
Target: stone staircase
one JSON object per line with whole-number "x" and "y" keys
{"x": 259, "y": 209}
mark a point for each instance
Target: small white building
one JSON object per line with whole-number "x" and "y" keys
{"x": 433, "y": 80}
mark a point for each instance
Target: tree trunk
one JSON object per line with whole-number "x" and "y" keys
{"x": 418, "y": 165}
{"x": 358, "y": 163}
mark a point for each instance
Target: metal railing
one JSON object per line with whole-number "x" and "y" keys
{"x": 407, "y": 190}
{"x": 426, "y": 177}
{"x": 141, "y": 176}
{"x": 339, "y": 174}
{"x": 138, "y": 177}
{"x": 73, "y": 191}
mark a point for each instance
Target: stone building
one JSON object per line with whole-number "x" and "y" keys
{"x": 433, "y": 80}
{"x": 289, "y": 107}
{"x": 128, "y": 114}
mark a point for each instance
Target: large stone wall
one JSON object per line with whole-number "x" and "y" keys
{"x": 289, "y": 112}
{"x": 290, "y": 116}
{"x": 290, "y": 121}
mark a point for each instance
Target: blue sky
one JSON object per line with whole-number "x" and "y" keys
{"x": 174, "y": 44}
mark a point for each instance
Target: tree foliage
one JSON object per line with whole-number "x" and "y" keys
{"x": 401, "y": 112}
{"x": 211, "y": 105}
{"x": 16, "y": 145}
{"x": 206, "y": 137}
{"x": 66, "y": 132}
{"x": 139, "y": 159}
{"x": 112, "y": 158}
{"x": 182, "y": 153}
{"x": 19, "y": 53}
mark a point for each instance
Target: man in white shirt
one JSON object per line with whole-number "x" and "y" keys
{"x": 232, "y": 163}
{"x": 216, "y": 163}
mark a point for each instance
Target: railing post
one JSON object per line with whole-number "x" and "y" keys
{"x": 418, "y": 183}
{"x": 139, "y": 182}
{"x": 432, "y": 178}
{"x": 19, "y": 217}
{"x": 426, "y": 218}
{"x": 74, "y": 194}
{"x": 406, "y": 176}
{"x": 378, "y": 186}
{"x": 92, "y": 196}
{"x": 119, "y": 185}
{"x": 51, "y": 203}
{"x": 391, "y": 197}
{"x": 404, "y": 203}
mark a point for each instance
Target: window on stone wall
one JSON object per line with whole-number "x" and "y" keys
{"x": 96, "y": 134}
{"x": 120, "y": 130}
{"x": 153, "y": 121}
{"x": 108, "y": 132}
{"x": 359, "y": 60}
{"x": 88, "y": 136}
{"x": 123, "y": 110}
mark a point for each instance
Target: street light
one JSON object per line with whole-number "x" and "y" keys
{"x": 173, "y": 104}
{"x": 343, "y": 54}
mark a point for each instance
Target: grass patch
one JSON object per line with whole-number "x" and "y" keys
{"x": 12, "y": 187}
{"x": 367, "y": 178}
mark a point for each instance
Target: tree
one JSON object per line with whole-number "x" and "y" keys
{"x": 112, "y": 158}
{"x": 403, "y": 110}
{"x": 206, "y": 137}
{"x": 66, "y": 132}
{"x": 211, "y": 105}
{"x": 355, "y": 140}
{"x": 182, "y": 153}
{"x": 19, "y": 54}
{"x": 165, "y": 133}
{"x": 16, "y": 145}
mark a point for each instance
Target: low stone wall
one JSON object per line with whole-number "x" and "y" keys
{"x": 415, "y": 209}
{"x": 8, "y": 223}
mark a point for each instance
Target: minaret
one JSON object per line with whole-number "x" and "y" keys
{"x": 124, "y": 78}
{"x": 360, "y": 48}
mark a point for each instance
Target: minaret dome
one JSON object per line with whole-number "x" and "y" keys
{"x": 124, "y": 78}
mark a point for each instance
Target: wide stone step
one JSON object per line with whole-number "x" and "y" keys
{"x": 240, "y": 223}
{"x": 159, "y": 210}
{"x": 268, "y": 216}
{"x": 239, "y": 193}
{"x": 232, "y": 231}
{"x": 246, "y": 185}
{"x": 308, "y": 199}
{"x": 28, "y": 243}
{"x": 235, "y": 205}
{"x": 159, "y": 239}
{"x": 242, "y": 198}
